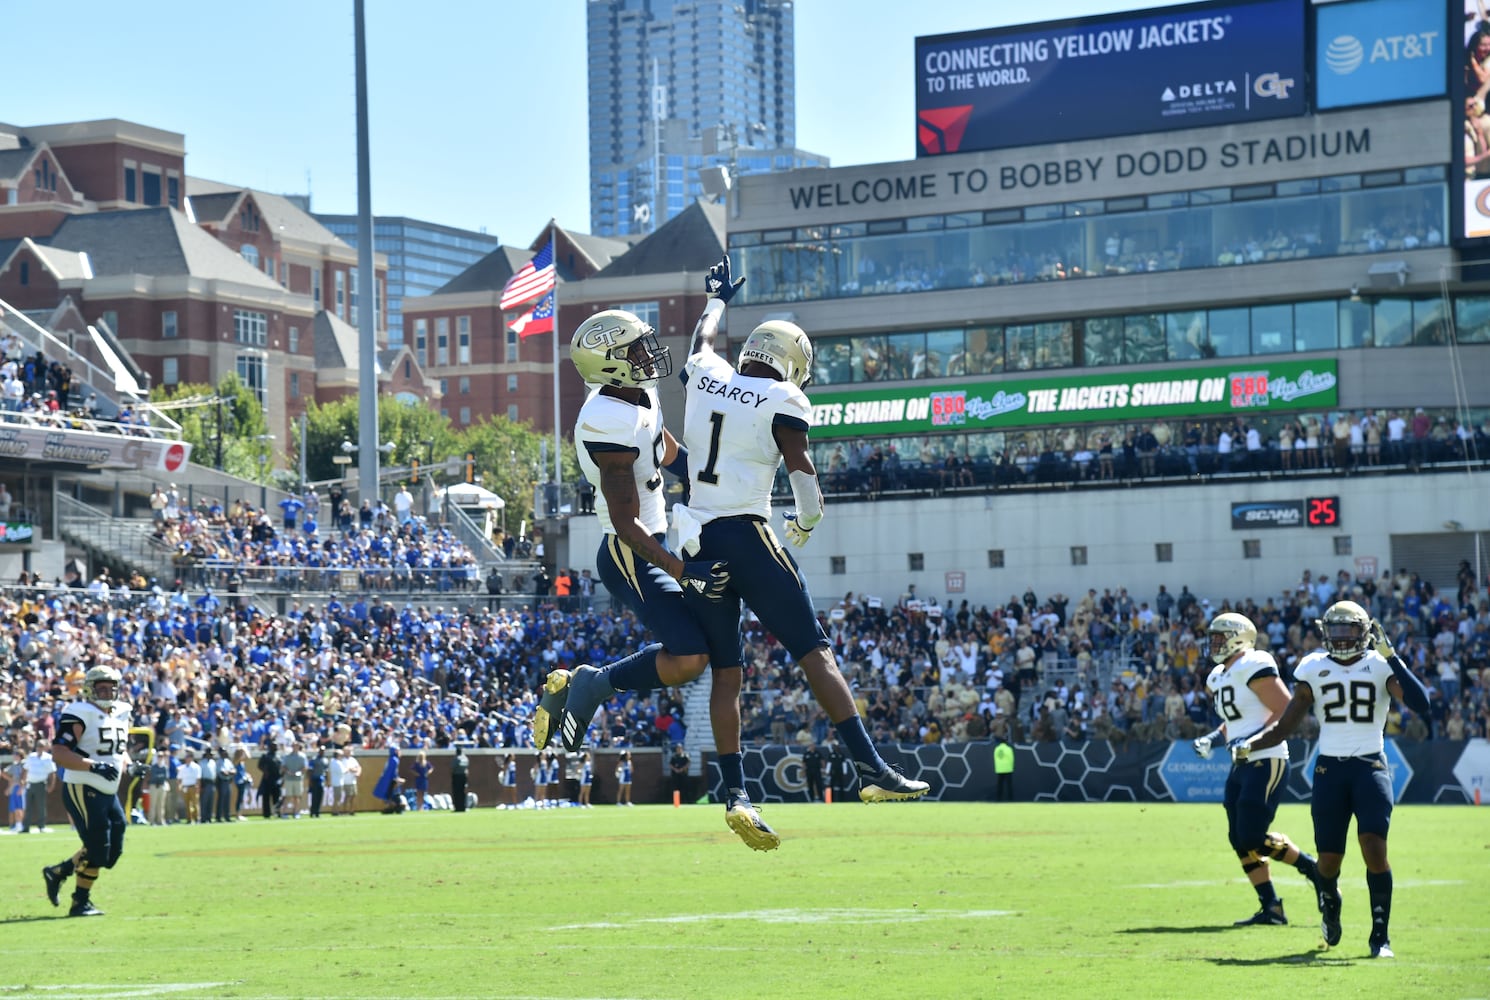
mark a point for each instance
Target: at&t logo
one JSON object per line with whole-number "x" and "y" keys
{"x": 1345, "y": 53}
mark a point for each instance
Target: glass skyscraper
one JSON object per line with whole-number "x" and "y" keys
{"x": 676, "y": 85}
{"x": 422, "y": 256}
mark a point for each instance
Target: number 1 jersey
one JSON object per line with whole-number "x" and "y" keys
{"x": 727, "y": 427}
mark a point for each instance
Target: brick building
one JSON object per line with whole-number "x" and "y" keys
{"x": 194, "y": 278}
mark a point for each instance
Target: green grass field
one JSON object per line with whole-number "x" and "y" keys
{"x": 897, "y": 901}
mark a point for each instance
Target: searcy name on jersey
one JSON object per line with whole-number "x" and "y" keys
{"x": 714, "y": 387}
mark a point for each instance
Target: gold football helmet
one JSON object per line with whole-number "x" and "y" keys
{"x": 102, "y": 675}
{"x": 784, "y": 347}
{"x": 1231, "y": 633}
{"x": 616, "y": 348}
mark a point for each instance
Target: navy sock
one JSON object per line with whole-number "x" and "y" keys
{"x": 732, "y": 771}
{"x": 637, "y": 672}
{"x": 1265, "y": 894}
{"x": 1306, "y": 866}
{"x": 856, "y": 738}
{"x": 1379, "y": 885}
{"x": 65, "y": 869}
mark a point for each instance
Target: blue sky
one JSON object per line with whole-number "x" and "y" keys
{"x": 478, "y": 115}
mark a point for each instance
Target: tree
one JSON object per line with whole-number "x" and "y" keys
{"x": 230, "y": 415}
{"x": 509, "y": 457}
{"x": 414, "y": 431}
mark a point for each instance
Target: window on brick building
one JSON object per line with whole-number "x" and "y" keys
{"x": 150, "y": 187}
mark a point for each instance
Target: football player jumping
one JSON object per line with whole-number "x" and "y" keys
{"x": 623, "y": 446}
{"x": 1349, "y": 685}
{"x": 92, "y": 748}
{"x": 1249, "y": 696}
{"x": 738, "y": 426}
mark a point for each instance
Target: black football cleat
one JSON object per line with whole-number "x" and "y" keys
{"x": 1381, "y": 948}
{"x": 84, "y": 908}
{"x": 1271, "y": 915}
{"x": 1329, "y": 911}
{"x": 54, "y": 883}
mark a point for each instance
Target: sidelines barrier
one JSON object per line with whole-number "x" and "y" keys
{"x": 1454, "y": 772}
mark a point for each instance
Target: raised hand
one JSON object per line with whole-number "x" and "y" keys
{"x": 718, "y": 284}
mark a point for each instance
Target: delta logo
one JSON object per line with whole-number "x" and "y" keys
{"x": 939, "y": 130}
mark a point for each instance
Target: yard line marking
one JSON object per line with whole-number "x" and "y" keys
{"x": 794, "y": 916}
{"x": 107, "y": 991}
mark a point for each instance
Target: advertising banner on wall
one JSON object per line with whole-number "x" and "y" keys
{"x": 20, "y": 442}
{"x": 1124, "y": 74}
{"x": 1473, "y": 147}
{"x": 1372, "y": 51}
{"x": 1248, "y": 387}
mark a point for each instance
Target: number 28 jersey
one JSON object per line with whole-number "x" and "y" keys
{"x": 732, "y": 452}
{"x": 1351, "y": 701}
{"x": 105, "y": 736}
{"x": 1237, "y": 704}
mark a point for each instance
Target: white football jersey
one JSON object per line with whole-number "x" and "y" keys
{"x": 732, "y": 454}
{"x": 1238, "y": 705}
{"x": 1350, "y": 701}
{"x": 608, "y": 424}
{"x": 105, "y": 736}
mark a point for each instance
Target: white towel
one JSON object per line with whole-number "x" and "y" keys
{"x": 686, "y": 529}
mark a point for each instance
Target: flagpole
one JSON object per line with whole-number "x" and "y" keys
{"x": 553, "y": 236}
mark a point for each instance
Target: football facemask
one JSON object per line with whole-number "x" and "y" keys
{"x": 1345, "y": 630}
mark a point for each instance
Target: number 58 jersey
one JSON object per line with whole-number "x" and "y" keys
{"x": 1351, "y": 701}
{"x": 105, "y": 736}
{"x": 1237, "y": 704}
{"x": 727, "y": 427}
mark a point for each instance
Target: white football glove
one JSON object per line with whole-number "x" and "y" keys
{"x": 796, "y": 533}
{"x": 1203, "y": 748}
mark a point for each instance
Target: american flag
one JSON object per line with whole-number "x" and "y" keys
{"x": 532, "y": 280}
{"x": 539, "y": 319}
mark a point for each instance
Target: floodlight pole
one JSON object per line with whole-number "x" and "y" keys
{"x": 367, "y": 291}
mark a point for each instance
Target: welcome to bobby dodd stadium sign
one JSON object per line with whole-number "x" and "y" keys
{"x": 1146, "y": 71}
{"x": 1156, "y": 395}
{"x": 42, "y": 444}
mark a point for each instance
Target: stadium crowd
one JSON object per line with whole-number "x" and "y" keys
{"x": 389, "y": 548}
{"x": 205, "y": 673}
